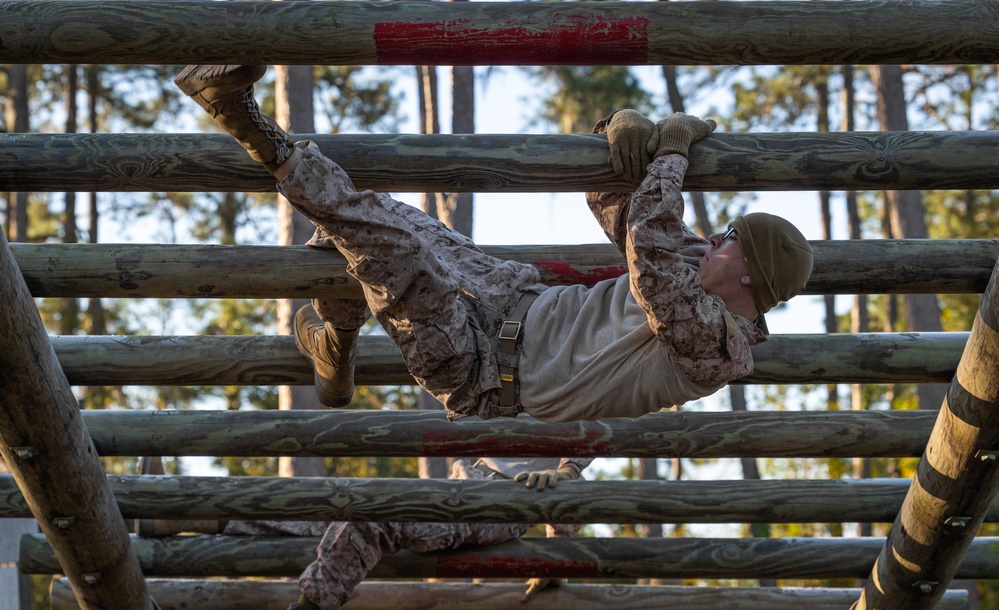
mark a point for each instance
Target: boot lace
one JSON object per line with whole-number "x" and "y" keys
{"x": 266, "y": 127}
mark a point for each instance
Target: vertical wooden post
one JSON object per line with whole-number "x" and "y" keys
{"x": 956, "y": 480}
{"x": 53, "y": 460}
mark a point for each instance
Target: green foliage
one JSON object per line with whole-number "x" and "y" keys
{"x": 372, "y": 467}
{"x": 955, "y": 97}
{"x": 350, "y": 97}
{"x": 249, "y": 466}
{"x": 776, "y": 96}
{"x": 40, "y": 586}
{"x": 579, "y": 96}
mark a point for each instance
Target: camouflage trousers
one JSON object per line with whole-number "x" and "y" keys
{"x": 348, "y": 551}
{"x": 438, "y": 296}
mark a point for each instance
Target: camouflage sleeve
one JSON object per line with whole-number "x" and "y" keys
{"x": 580, "y": 463}
{"x": 610, "y": 209}
{"x": 704, "y": 340}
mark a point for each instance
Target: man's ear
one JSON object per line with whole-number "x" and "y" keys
{"x": 745, "y": 280}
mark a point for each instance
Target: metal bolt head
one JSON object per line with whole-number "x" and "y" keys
{"x": 90, "y": 578}
{"x": 925, "y": 586}
{"x": 986, "y": 456}
{"x": 63, "y": 522}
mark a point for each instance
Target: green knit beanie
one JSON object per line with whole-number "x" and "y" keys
{"x": 778, "y": 257}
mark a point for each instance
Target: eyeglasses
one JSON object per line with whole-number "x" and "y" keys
{"x": 730, "y": 233}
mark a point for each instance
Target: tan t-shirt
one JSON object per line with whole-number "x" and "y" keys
{"x": 589, "y": 353}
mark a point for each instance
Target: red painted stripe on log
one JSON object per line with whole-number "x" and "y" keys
{"x": 562, "y": 40}
{"x": 563, "y": 272}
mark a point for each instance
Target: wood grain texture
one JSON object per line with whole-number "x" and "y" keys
{"x": 869, "y": 266}
{"x": 188, "y": 594}
{"x": 785, "y": 558}
{"x": 256, "y": 360}
{"x": 401, "y": 163}
{"x": 783, "y": 32}
{"x": 490, "y": 501}
{"x": 47, "y": 449}
{"x": 421, "y": 433}
{"x": 956, "y": 480}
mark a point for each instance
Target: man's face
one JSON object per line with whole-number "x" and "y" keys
{"x": 723, "y": 267}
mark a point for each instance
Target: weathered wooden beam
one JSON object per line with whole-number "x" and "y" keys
{"x": 785, "y": 558}
{"x": 274, "y": 360}
{"x": 365, "y": 433}
{"x": 50, "y": 456}
{"x": 956, "y": 480}
{"x": 184, "y": 594}
{"x": 442, "y": 500}
{"x": 879, "y": 160}
{"x": 499, "y": 33}
{"x": 869, "y": 266}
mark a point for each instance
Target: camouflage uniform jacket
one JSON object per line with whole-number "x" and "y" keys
{"x": 647, "y": 340}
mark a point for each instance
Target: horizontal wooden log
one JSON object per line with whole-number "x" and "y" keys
{"x": 420, "y": 433}
{"x": 869, "y": 266}
{"x": 879, "y": 160}
{"x": 256, "y": 360}
{"x": 182, "y": 594}
{"x": 498, "y": 33}
{"x": 784, "y": 558}
{"x": 490, "y": 501}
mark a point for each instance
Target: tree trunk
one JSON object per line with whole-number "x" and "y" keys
{"x": 293, "y": 90}
{"x": 69, "y": 321}
{"x": 426, "y": 80}
{"x": 822, "y": 104}
{"x": 703, "y": 220}
{"x": 98, "y": 324}
{"x": 456, "y": 209}
{"x": 906, "y": 217}
{"x": 750, "y": 472}
{"x": 859, "y": 319}
{"x": 17, "y": 122}
{"x": 426, "y": 87}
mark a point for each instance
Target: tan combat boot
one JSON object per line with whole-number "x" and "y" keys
{"x": 332, "y": 352}
{"x": 226, "y": 92}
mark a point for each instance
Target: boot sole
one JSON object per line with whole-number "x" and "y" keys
{"x": 196, "y": 77}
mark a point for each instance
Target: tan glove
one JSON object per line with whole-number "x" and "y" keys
{"x": 629, "y": 135}
{"x": 543, "y": 479}
{"x": 677, "y": 132}
{"x": 537, "y": 584}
